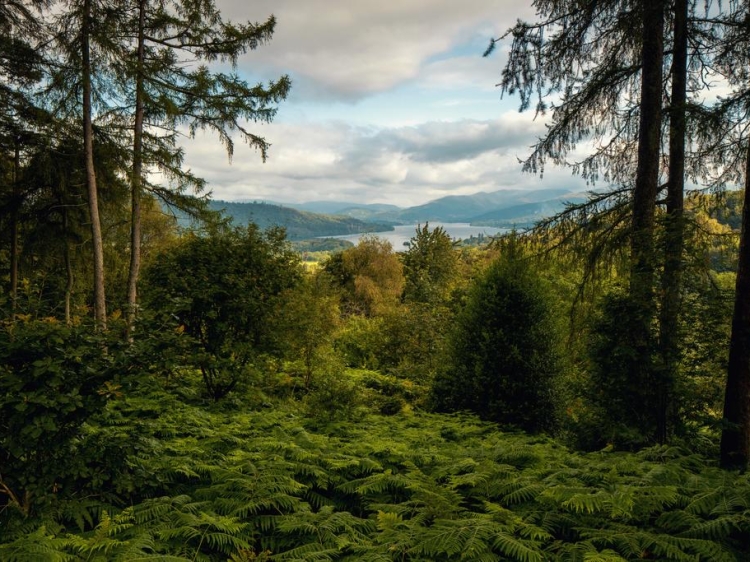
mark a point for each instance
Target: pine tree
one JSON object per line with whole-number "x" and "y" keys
{"x": 610, "y": 80}
{"x": 166, "y": 94}
{"x": 20, "y": 70}
{"x": 504, "y": 355}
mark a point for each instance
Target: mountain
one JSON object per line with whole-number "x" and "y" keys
{"x": 299, "y": 225}
{"x": 504, "y": 208}
{"x": 526, "y": 214}
{"x": 463, "y": 208}
{"x": 347, "y": 208}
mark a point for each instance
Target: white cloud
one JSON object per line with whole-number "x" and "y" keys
{"x": 402, "y": 165}
{"x": 415, "y": 62}
{"x": 348, "y": 50}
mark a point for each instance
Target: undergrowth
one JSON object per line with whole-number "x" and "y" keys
{"x": 212, "y": 485}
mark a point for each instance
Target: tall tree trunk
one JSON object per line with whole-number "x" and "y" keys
{"x": 15, "y": 210}
{"x": 68, "y": 268}
{"x": 100, "y": 307}
{"x": 136, "y": 180}
{"x": 646, "y": 188}
{"x": 674, "y": 228}
{"x": 735, "y": 438}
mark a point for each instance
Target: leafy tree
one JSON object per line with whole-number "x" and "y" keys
{"x": 53, "y": 379}
{"x": 430, "y": 264}
{"x": 504, "y": 356}
{"x": 222, "y": 290}
{"x": 308, "y": 317}
{"x": 369, "y": 274}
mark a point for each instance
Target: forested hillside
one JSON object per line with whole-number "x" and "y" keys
{"x": 576, "y": 392}
{"x": 299, "y": 225}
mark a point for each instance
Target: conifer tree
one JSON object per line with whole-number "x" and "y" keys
{"x": 674, "y": 226}
{"x": 610, "y": 80}
{"x": 20, "y": 71}
{"x": 167, "y": 94}
{"x": 504, "y": 356}
{"x": 727, "y": 142}
{"x": 735, "y": 437}
{"x": 100, "y": 301}
{"x": 80, "y": 88}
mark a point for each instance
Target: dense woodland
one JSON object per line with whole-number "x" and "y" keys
{"x": 579, "y": 391}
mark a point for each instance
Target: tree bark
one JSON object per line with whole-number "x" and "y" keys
{"x": 69, "y": 278}
{"x": 100, "y": 307}
{"x": 735, "y": 437}
{"x": 646, "y": 188}
{"x": 14, "y": 249}
{"x": 674, "y": 228}
{"x": 136, "y": 180}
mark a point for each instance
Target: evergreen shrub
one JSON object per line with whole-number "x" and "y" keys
{"x": 503, "y": 353}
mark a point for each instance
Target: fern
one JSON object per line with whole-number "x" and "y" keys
{"x": 36, "y": 546}
{"x": 215, "y": 486}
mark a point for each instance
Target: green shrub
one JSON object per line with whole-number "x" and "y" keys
{"x": 222, "y": 290}
{"x": 334, "y": 396}
{"x": 622, "y": 408}
{"x": 504, "y": 349}
{"x": 53, "y": 379}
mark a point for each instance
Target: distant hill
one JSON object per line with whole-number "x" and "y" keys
{"x": 347, "y": 208}
{"x": 526, "y": 214}
{"x": 503, "y": 208}
{"x": 464, "y": 208}
{"x": 299, "y": 225}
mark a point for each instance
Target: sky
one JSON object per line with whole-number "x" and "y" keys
{"x": 391, "y": 102}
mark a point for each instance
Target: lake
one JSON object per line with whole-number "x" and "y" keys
{"x": 405, "y": 232}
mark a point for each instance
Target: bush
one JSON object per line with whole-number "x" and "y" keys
{"x": 223, "y": 290}
{"x": 53, "y": 379}
{"x": 504, "y": 349}
{"x": 620, "y": 404}
{"x": 334, "y": 395}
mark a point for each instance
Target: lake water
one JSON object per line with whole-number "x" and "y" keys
{"x": 405, "y": 232}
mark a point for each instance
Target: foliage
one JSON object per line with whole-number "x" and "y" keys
{"x": 622, "y": 404}
{"x": 53, "y": 379}
{"x": 307, "y": 319}
{"x": 264, "y": 485}
{"x": 334, "y": 396}
{"x": 222, "y": 290}
{"x": 370, "y": 276}
{"x": 319, "y": 246}
{"x": 705, "y": 330}
{"x": 408, "y": 342}
{"x": 430, "y": 265}
{"x": 504, "y": 356}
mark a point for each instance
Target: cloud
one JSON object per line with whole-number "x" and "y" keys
{"x": 445, "y": 142}
{"x": 399, "y": 165}
{"x": 391, "y": 102}
{"x": 349, "y": 50}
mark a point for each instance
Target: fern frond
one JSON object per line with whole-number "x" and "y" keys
{"x": 517, "y": 549}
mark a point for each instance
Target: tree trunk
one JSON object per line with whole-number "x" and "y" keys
{"x": 644, "y": 205}
{"x": 68, "y": 269}
{"x": 14, "y": 249}
{"x": 735, "y": 437}
{"x": 136, "y": 180}
{"x": 100, "y": 307}
{"x": 674, "y": 228}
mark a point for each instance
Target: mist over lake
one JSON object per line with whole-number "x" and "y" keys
{"x": 401, "y": 234}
